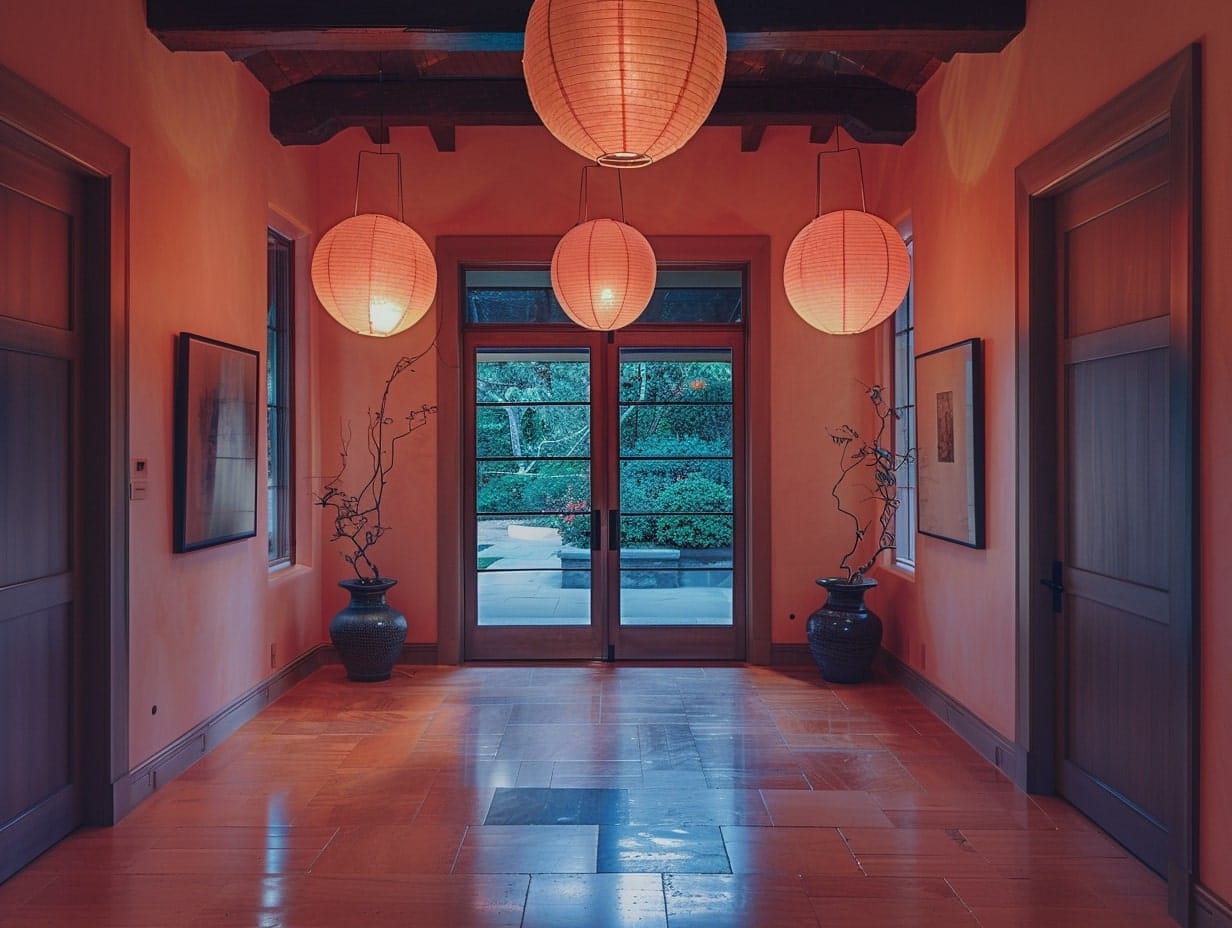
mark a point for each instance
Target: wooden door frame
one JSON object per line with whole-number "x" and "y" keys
{"x": 47, "y": 127}
{"x": 512, "y": 642}
{"x": 453, "y": 255}
{"x": 1166, "y": 97}
{"x": 701, "y": 642}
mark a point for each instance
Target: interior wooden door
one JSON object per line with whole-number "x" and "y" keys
{"x": 40, "y": 362}
{"x": 1115, "y": 545}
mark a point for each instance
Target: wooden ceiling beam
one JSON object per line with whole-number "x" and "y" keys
{"x": 312, "y": 112}
{"x": 939, "y": 28}
{"x": 751, "y": 136}
{"x": 445, "y": 137}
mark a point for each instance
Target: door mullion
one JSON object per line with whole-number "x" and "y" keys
{"x": 605, "y": 381}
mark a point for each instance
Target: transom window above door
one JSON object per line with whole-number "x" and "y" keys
{"x": 707, "y": 296}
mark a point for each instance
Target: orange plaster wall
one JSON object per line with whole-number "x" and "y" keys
{"x": 520, "y": 181}
{"x": 979, "y": 117}
{"x": 204, "y": 173}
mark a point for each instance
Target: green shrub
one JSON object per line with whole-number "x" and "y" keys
{"x": 575, "y": 526}
{"x": 671, "y": 460}
{"x": 694, "y": 494}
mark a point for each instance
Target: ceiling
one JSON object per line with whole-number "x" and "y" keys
{"x": 441, "y": 64}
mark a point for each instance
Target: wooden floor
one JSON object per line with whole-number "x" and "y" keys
{"x": 585, "y": 797}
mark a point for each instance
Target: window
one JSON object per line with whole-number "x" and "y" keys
{"x": 904, "y": 431}
{"x": 713, "y": 296}
{"x": 278, "y": 367}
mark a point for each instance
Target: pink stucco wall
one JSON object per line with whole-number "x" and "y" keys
{"x": 206, "y": 175}
{"x": 980, "y": 117}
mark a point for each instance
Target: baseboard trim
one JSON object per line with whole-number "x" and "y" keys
{"x": 418, "y": 653}
{"x": 790, "y": 655}
{"x": 1208, "y": 910}
{"x": 991, "y": 744}
{"x": 142, "y": 781}
{"x": 413, "y": 652}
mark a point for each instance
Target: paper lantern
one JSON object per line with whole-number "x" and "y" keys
{"x": 603, "y": 274}
{"x": 624, "y": 82}
{"x": 846, "y": 272}
{"x": 374, "y": 274}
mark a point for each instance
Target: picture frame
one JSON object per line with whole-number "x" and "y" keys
{"x": 950, "y": 442}
{"x": 216, "y": 421}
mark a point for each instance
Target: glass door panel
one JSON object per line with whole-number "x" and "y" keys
{"x": 604, "y": 474}
{"x": 676, "y": 472}
{"x": 532, "y": 487}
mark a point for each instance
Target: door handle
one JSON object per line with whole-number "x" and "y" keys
{"x": 613, "y": 530}
{"x": 596, "y": 532}
{"x": 1056, "y": 584}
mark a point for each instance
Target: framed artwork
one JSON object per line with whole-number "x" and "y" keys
{"x": 950, "y": 442}
{"x": 216, "y": 409}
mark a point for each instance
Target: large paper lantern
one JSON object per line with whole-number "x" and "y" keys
{"x": 603, "y": 274}
{"x": 624, "y": 82}
{"x": 374, "y": 274}
{"x": 846, "y": 272}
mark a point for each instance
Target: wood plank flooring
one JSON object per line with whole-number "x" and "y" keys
{"x": 590, "y": 796}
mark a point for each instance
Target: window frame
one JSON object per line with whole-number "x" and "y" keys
{"x": 280, "y": 407}
{"x": 902, "y": 362}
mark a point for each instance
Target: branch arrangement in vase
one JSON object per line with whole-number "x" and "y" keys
{"x": 871, "y": 457}
{"x": 358, "y": 522}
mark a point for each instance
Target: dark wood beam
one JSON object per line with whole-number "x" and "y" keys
{"x": 868, "y": 110}
{"x": 751, "y": 136}
{"x": 822, "y": 133}
{"x": 312, "y": 112}
{"x": 938, "y": 27}
{"x": 445, "y": 137}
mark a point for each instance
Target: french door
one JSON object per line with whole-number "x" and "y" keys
{"x": 602, "y": 490}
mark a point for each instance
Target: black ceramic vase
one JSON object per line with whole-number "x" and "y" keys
{"x": 368, "y": 634}
{"x": 843, "y": 635}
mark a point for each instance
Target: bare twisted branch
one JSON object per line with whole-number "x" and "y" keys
{"x": 357, "y": 517}
{"x": 883, "y": 464}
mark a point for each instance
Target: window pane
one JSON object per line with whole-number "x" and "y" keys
{"x": 904, "y": 428}
{"x": 521, "y": 430}
{"x": 686, "y": 297}
{"x": 278, "y": 367}
{"x": 675, "y": 376}
{"x": 516, "y": 485}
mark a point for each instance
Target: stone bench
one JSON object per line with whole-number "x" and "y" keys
{"x": 640, "y": 568}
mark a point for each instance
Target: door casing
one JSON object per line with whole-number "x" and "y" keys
{"x": 454, "y": 254}
{"x": 1166, "y": 97}
{"x": 37, "y": 124}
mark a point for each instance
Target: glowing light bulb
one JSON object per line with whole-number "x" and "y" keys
{"x": 385, "y": 316}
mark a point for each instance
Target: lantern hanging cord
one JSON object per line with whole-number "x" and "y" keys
{"x": 584, "y": 189}
{"x": 380, "y": 86}
{"x": 838, "y": 150}
{"x": 582, "y": 203}
{"x": 397, "y": 156}
{"x": 381, "y": 152}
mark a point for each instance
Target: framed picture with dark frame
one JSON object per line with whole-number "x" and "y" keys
{"x": 216, "y": 420}
{"x": 950, "y": 442}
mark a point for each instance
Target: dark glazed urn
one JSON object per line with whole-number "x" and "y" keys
{"x": 843, "y": 635}
{"x": 368, "y": 634}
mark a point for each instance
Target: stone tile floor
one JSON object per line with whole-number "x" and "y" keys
{"x": 590, "y": 796}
